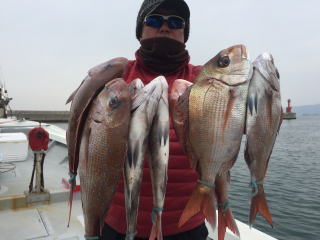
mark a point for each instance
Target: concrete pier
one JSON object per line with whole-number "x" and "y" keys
{"x": 289, "y": 115}
{"x": 42, "y": 116}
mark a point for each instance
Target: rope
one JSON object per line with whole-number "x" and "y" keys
{"x": 130, "y": 235}
{"x": 154, "y": 214}
{"x": 254, "y": 185}
{"x": 72, "y": 179}
{"x": 32, "y": 175}
{"x": 205, "y": 184}
{"x": 92, "y": 238}
{"x": 225, "y": 206}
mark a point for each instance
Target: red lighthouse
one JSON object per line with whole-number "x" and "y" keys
{"x": 288, "y": 114}
{"x": 288, "y": 109}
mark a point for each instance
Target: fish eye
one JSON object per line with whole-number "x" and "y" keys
{"x": 114, "y": 102}
{"x": 224, "y": 61}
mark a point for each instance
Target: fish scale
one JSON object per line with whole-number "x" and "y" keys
{"x": 95, "y": 175}
{"x": 216, "y": 110}
{"x": 102, "y": 152}
{"x": 217, "y": 113}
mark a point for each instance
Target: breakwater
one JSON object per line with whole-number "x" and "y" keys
{"x": 42, "y": 116}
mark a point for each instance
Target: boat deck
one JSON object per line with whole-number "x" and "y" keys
{"x": 45, "y": 221}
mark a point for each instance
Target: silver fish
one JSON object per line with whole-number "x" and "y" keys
{"x": 264, "y": 116}
{"x": 159, "y": 156}
{"x": 135, "y": 87}
{"x": 144, "y": 107}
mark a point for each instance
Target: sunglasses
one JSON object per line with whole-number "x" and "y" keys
{"x": 157, "y": 20}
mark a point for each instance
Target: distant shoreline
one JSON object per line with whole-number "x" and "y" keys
{"x": 313, "y": 110}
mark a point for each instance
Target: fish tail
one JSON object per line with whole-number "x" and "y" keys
{"x": 202, "y": 200}
{"x": 226, "y": 219}
{"x": 156, "y": 231}
{"x": 259, "y": 205}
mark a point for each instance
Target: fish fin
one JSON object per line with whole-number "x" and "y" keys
{"x": 226, "y": 220}
{"x": 281, "y": 119}
{"x": 183, "y": 100}
{"x": 250, "y": 104}
{"x": 247, "y": 157}
{"x": 183, "y": 106}
{"x": 202, "y": 200}
{"x": 72, "y": 95}
{"x": 130, "y": 155}
{"x": 228, "y": 176}
{"x": 259, "y": 205}
{"x": 143, "y": 94}
{"x": 256, "y": 102}
{"x": 165, "y": 100}
{"x": 164, "y": 95}
{"x": 135, "y": 86}
{"x": 156, "y": 231}
{"x": 133, "y": 153}
{"x": 75, "y": 92}
{"x": 137, "y": 93}
{"x": 151, "y": 110}
{"x": 139, "y": 98}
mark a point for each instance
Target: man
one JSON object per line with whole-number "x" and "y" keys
{"x": 162, "y": 29}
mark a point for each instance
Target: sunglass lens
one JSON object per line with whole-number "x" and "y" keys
{"x": 175, "y": 22}
{"x": 154, "y": 21}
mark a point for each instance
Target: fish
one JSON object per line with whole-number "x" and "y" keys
{"x": 81, "y": 99}
{"x": 179, "y": 103}
{"x": 225, "y": 216}
{"x": 264, "y": 117}
{"x": 102, "y": 153}
{"x": 135, "y": 86}
{"x": 179, "y": 109}
{"x": 216, "y": 120}
{"x": 158, "y": 160}
{"x": 144, "y": 108}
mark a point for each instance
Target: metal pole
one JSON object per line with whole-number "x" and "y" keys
{"x": 38, "y": 172}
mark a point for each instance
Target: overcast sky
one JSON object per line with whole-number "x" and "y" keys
{"x": 47, "y": 46}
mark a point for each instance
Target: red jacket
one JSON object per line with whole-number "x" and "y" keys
{"x": 181, "y": 178}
